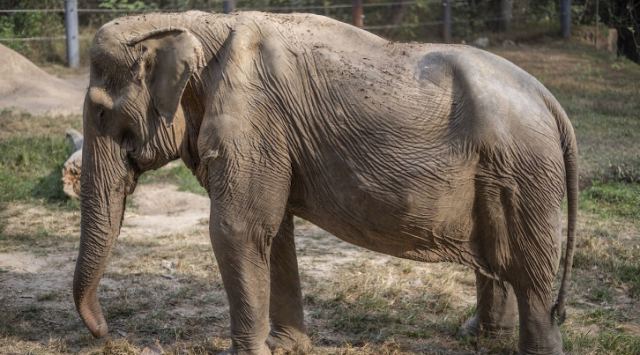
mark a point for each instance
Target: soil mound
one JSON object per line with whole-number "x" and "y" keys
{"x": 26, "y": 87}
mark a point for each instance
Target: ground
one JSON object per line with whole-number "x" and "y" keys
{"x": 162, "y": 288}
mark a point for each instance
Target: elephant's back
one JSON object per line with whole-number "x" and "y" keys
{"x": 494, "y": 102}
{"x": 307, "y": 30}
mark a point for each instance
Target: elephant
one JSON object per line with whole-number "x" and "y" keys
{"x": 428, "y": 152}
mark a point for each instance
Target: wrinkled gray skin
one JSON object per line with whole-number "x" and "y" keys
{"x": 421, "y": 151}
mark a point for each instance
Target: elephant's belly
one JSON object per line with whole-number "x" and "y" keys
{"x": 410, "y": 224}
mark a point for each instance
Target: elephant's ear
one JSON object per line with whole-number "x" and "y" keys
{"x": 168, "y": 58}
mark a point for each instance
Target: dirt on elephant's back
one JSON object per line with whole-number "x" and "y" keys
{"x": 26, "y": 87}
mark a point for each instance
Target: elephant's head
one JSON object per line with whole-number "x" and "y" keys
{"x": 133, "y": 122}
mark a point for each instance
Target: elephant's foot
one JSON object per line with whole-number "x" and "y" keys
{"x": 496, "y": 311}
{"x": 539, "y": 331}
{"x": 233, "y": 351}
{"x": 289, "y": 341}
{"x": 473, "y": 327}
{"x": 539, "y": 339}
{"x": 538, "y": 350}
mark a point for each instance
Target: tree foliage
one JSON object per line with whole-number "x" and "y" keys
{"x": 137, "y": 5}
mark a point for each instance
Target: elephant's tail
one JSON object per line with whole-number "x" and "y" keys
{"x": 570, "y": 153}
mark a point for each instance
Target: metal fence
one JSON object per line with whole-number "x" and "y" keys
{"x": 423, "y": 20}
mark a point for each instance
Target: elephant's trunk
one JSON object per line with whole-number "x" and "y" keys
{"x": 105, "y": 180}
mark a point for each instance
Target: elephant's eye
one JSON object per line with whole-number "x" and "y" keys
{"x": 128, "y": 142}
{"x": 100, "y": 114}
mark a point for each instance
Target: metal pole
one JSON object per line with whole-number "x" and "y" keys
{"x": 228, "y": 6}
{"x": 71, "y": 27}
{"x": 357, "y": 13}
{"x": 565, "y": 18}
{"x": 597, "y": 22}
{"x": 446, "y": 21}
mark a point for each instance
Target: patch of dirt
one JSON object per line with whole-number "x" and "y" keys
{"x": 27, "y": 88}
{"x": 21, "y": 262}
{"x": 160, "y": 209}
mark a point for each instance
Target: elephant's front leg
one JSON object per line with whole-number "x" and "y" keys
{"x": 243, "y": 260}
{"x": 287, "y": 320}
{"x": 248, "y": 203}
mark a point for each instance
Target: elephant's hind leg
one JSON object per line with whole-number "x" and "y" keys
{"x": 287, "y": 320}
{"x": 496, "y": 303}
{"x": 535, "y": 216}
{"x": 496, "y": 309}
{"x": 532, "y": 279}
{"x": 539, "y": 333}
{"x": 519, "y": 224}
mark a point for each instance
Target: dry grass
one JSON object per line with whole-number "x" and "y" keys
{"x": 163, "y": 290}
{"x": 167, "y": 290}
{"x": 15, "y": 124}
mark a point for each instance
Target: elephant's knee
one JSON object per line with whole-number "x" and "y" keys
{"x": 238, "y": 228}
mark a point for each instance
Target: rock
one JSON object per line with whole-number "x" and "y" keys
{"x": 71, "y": 175}
{"x": 508, "y": 43}
{"x": 481, "y": 42}
{"x": 75, "y": 138}
{"x": 169, "y": 265}
{"x": 73, "y": 166}
{"x": 154, "y": 349}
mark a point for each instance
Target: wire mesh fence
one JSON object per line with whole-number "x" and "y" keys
{"x": 39, "y": 31}
{"x": 340, "y": 11}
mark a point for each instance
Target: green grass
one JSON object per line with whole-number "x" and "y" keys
{"x": 612, "y": 200}
{"x": 178, "y": 175}
{"x": 30, "y": 168}
{"x": 604, "y": 258}
{"x": 629, "y": 271}
{"x": 618, "y": 271}
{"x": 601, "y": 294}
{"x": 33, "y": 150}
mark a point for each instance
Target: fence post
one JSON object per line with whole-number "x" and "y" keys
{"x": 597, "y": 22}
{"x": 71, "y": 29}
{"x": 446, "y": 21}
{"x": 565, "y": 18}
{"x": 506, "y": 14}
{"x": 228, "y": 6}
{"x": 357, "y": 13}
